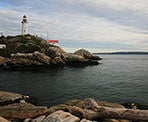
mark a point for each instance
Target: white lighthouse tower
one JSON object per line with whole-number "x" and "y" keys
{"x": 24, "y": 25}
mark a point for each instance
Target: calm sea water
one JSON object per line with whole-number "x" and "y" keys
{"x": 120, "y": 78}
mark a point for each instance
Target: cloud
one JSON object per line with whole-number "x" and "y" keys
{"x": 105, "y": 24}
{"x": 130, "y": 12}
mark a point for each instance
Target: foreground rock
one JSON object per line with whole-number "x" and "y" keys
{"x": 22, "y": 110}
{"x": 9, "y": 98}
{"x": 38, "y": 119}
{"x": 87, "y": 110}
{"x": 3, "y": 119}
{"x": 77, "y": 108}
{"x": 85, "y": 120}
{"x": 91, "y": 110}
{"x": 61, "y": 116}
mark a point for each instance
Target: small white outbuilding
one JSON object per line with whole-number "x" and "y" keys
{"x": 2, "y": 46}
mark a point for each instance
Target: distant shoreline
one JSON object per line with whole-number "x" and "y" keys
{"x": 123, "y": 53}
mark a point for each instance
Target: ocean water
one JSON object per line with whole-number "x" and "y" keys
{"x": 119, "y": 78}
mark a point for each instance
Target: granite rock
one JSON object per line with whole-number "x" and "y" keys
{"x": 87, "y": 55}
{"x": 3, "y": 119}
{"x": 61, "y": 116}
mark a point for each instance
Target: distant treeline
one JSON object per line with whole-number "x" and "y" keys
{"x": 125, "y": 53}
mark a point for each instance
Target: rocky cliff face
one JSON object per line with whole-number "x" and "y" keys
{"x": 31, "y": 51}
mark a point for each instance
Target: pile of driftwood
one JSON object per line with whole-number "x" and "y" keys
{"x": 92, "y": 111}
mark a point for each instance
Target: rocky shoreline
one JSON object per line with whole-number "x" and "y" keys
{"x": 23, "y": 52}
{"x": 31, "y": 52}
{"x": 15, "y": 107}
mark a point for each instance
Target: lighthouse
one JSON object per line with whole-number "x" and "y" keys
{"x": 24, "y": 25}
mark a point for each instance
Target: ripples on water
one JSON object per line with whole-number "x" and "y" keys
{"x": 120, "y": 78}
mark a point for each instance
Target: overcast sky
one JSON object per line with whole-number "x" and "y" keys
{"x": 97, "y": 25}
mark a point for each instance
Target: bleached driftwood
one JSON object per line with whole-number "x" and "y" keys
{"x": 92, "y": 111}
{"x": 116, "y": 113}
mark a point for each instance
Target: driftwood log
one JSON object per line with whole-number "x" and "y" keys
{"x": 93, "y": 111}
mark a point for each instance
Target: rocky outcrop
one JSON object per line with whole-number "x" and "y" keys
{"x": 74, "y": 59}
{"x": 29, "y": 60}
{"x": 57, "y": 61}
{"x": 25, "y": 60}
{"x": 87, "y": 55}
{"x": 83, "y": 57}
{"x": 29, "y": 51}
{"x": 3, "y": 61}
{"x": 55, "y": 51}
{"x": 57, "y": 55}
{"x": 36, "y": 57}
{"x": 37, "y": 60}
{"x": 24, "y": 44}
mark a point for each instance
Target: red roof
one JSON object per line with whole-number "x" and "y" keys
{"x": 53, "y": 41}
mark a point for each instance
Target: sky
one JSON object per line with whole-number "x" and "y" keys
{"x": 95, "y": 25}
